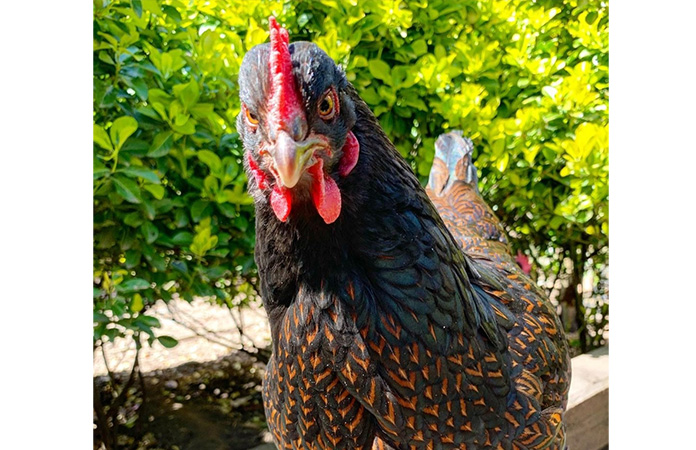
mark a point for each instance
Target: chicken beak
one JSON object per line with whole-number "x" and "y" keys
{"x": 290, "y": 158}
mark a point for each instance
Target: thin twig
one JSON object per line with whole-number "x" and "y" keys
{"x": 259, "y": 353}
{"x": 121, "y": 398}
{"x": 240, "y": 329}
{"x": 106, "y": 364}
{"x": 198, "y": 333}
{"x": 229, "y": 344}
{"x": 141, "y": 410}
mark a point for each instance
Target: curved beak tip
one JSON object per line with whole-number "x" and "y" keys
{"x": 289, "y": 175}
{"x": 290, "y": 159}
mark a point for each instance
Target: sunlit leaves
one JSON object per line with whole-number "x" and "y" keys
{"x": 167, "y": 63}
{"x": 163, "y": 93}
{"x": 256, "y": 34}
{"x": 121, "y": 130}
{"x": 161, "y": 144}
{"x": 101, "y": 138}
{"x": 157, "y": 191}
{"x": 128, "y": 189}
{"x": 380, "y": 70}
{"x": 136, "y": 304}
{"x": 203, "y": 240}
{"x": 211, "y": 160}
{"x": 187, "y": 93}
{"x": 527, "y": 81}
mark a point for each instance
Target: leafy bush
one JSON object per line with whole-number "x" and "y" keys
{"x": 528, "y": 81}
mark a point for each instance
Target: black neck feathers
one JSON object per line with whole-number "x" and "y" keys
{"x": 389, "y": 242}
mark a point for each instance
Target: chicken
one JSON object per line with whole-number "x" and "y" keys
{"x": 395, "y": 323}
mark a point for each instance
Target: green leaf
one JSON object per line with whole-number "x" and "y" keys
{"x": 146, "y": 174}
{"x": 161, "y": 144}
{"x": 101, "y": 138}
{"x": 549, "y": 91}
{"x": 503, "y": 162}
{"x": 100, "y": 318}
{"x": 148, "y": 209}
{"x": 133, "y": 285}
{"x": 172, "y": 13}
{"x": 516, "y": 179}
{"x": 420, "y": 47}
{"x": 104, "y": 57}
{"x": 121, "y": 130}
{"x": 241, "y": 198}
{"x": 188, "y": 93}
{"x": 136, "y": 304}
{"x": 182, "y": 238}
{"x": 139, "y": 86}
{"x": 184, "y": 124}
{"x": 359, "y": 61}
{"x": 303, "y": 19}
{"x": 132, "y": 258}
{"x": 156, "y": 190}
{"x": 180, "y": 266}
{"x": 134, "y": 219}
{"x": 137, "y": 7}
{"x": 160, "y": 108}
{"x": 371, "y": 96}
{"x": 128, "y": 189}
{"x": 180, "y": 218}
{"x": 149, "y": 231}
{"x": 100, "y": 173}
{"x": 380, "y": 70}
{"x": 153, "y": 257}
{"x": 199, "y": 210}
{"x": 231, "y": 170}
{"x": 211, "y": 160}
{"x": 211, "y": 184}
{"x": 149, "y": 321}
{"x": 167, "y": 341}
{"x": 152, "y": 6}
{"x": 556, "y": 221}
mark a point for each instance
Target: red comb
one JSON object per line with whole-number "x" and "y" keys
{"x": 284, "y": 103}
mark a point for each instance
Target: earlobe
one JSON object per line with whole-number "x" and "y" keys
{"x": 351, "y": 153}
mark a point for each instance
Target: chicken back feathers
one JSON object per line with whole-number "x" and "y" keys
{"x": 536, "y": 340}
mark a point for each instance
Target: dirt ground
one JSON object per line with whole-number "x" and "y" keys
{"x": 205, "y": 332}
{"x": 203, "y": 394}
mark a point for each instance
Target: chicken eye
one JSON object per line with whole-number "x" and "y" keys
{"x": 327, "y": 106}
{"x": 250, "y": 117}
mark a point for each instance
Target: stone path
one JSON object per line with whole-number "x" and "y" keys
{"x": 205, "y": 332}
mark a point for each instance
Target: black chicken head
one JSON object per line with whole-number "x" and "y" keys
{"x": 295, "y": 123}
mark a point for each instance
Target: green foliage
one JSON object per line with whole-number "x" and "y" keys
{"x": 171, "y": 216}
{"x": 528, "y": 81}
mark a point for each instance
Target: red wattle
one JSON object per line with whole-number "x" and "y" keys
{"x": 351, "y": 152}
{"x": 325, "y": 193}
{"x": 281, "y": 202}
{"x": 259, "y": 176}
